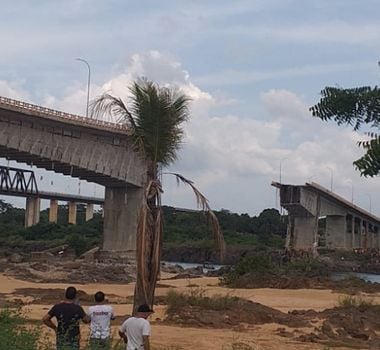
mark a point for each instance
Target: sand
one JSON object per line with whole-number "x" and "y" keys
{"x": 175, "y": 337}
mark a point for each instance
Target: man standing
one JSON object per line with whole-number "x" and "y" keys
{"x": 100, "y": 316}
{"x": 136, "y": 330}
{"x": 68, "y": 314}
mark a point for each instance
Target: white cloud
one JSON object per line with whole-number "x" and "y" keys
{"x": 231, "y": 158}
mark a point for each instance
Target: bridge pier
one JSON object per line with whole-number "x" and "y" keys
{"x": 32, "y": 211}
{"x": 336, "y": 231}
{"x": 302, "y": 235}
{"x": 121, "y": 209}
{"x": 53, "y": 211}
{"x": 72, "y": 213}
{"x": 89, "y": 211}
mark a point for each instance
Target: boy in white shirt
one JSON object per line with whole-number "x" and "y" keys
{"x": 100, "y": 327}
{"x": 136, "y": 330}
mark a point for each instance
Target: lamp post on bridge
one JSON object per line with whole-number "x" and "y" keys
{"x": 88, "y": 82}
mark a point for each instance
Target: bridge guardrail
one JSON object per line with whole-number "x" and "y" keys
{"x": 52, "y": 112}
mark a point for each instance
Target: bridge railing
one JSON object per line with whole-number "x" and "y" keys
{"x": 48, "y": 112}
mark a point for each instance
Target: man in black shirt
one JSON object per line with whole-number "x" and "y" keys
{"x": 68, "y": 314}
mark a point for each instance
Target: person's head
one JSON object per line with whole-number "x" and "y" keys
{"x": 99, "y": 297}
{"x": 71, "y": 293}
{"x": 144, "y": 311}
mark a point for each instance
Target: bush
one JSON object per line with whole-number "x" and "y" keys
{"x": 197, "y": 297}
{"x": 355, "y": 301}
{"x": 15, "y": 335}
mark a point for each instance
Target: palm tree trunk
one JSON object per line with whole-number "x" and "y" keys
{"x": 149, "y": 243}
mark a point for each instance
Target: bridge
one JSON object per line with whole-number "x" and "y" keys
{"x": 92, "y": 150}
{"x": 319, "y": 218}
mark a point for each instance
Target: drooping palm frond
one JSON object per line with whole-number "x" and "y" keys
{"x": 113, "y": 106}
{"x": 203, "y": 204}
{"x": 354, "y": 107}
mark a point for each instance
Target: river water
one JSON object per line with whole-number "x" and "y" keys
{"x": 208, "y": 267}
{"x": 368, "y": 277}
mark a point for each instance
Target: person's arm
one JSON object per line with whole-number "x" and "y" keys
{"x": 123, "y": 336}
{"x": 146, "y": 334}
{"x": 48, "y": 322}
{"x": 146, "y": 342}
{"x": 85, "y": 318}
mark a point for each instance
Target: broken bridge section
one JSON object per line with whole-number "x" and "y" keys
{"x": 319, "y": 218}
{"x": 92, "y": 150}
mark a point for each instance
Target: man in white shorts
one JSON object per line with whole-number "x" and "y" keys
{"x": 136, "y": 330}
{"x": 100, "y": 327}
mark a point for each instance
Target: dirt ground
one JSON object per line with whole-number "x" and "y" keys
{"x": 36, "y": 298}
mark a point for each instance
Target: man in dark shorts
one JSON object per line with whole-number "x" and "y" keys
{"x": 68, "y": 314}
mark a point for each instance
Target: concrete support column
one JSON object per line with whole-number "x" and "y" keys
{"x": 89, "y": 211}
{"x": 353, "y": 232}
{"x": 121, "y": 209}
{"x": 72, "y": 213}
{"x": 303, "y": 232}
{"x": 336, "y": 231}
{"x": 32, "y": 211}
{"x": 53, "y": 211}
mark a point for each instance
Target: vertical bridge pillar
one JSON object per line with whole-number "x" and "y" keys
{"x": 121, "y": 209}
{"x": 89, "y": 211}
{"x": 32, "y": 211}
{"x": 53, "y": 211}
{"x": 72, "y": 213}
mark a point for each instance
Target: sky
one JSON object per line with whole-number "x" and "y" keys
{"x": 252, "y": 69}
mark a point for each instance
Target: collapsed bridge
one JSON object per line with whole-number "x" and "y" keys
{"x": 319, "y": 218}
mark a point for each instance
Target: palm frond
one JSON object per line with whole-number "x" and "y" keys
{"x": 108, "y": 104}
{"x": 159, "y": 114}
{"x": 202, "y": 203}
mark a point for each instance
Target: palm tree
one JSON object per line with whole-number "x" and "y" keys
{"x": 154, "y": 116}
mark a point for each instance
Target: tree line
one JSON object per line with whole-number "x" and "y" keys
{"x": 268, "y": 229}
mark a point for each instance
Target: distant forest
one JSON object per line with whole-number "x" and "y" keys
{"x": 266, "y": 230}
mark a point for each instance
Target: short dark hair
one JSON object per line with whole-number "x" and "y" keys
{"x": 99, "y": 296}
{"x": 144, "y": 308}
{"x": 71, "y": 293}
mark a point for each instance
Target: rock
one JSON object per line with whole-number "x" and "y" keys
{"x": 171, "y": 268}
{"x": 196, "y": 271}
{"x": 16, "y": 258}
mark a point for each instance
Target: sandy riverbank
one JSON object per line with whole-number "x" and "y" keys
{"x": 164, "y": 335}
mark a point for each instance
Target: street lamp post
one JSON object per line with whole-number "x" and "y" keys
{"x": 88, "y": 82}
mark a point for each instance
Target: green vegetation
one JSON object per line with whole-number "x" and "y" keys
{"x": 355, "y": 301}
{"x": 181, "y": 228}
{"x": 261, "y": 268}
{"x": 357, "y": 107}
{"x": 197, "y": 297}
{"x": 16, "y": 335}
